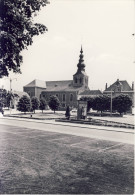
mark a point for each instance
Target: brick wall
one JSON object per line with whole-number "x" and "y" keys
{"x": 66, "y": 98}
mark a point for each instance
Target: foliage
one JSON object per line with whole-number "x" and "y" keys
{"x": 67, "y": 114}
{"x": 9, "y": 98}
{"x": 122, "y": 103}
{"x": 34, "y": 103}
{"x": 3, "y": 95}
{"x": 54, "y": 103}
{"x": 17, "y": 29}
{"x": 101, "y": 103}
{"x": 24, "y": 104}
{"x": 6, "y": 98}
{"x": 43, "y": 104}
{"x": 90, "y": 102}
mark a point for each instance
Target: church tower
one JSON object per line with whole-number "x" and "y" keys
{"x": 80, "y": 78}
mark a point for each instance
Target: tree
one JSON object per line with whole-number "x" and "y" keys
{"x": 34, "y": 103}
{"x": 3, "y": 95}
{"x": 24, "y": 104}
{"x": 43, "y": 104}
{"x": 67, "y": 114}
{"x": 122, "y": 103}
{"x": 10, "y": 98}
{"x": 54, "y": 103}
{"x": 101, "y": 103}
{"x": 17, "y": 29}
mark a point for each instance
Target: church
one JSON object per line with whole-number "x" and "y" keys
{"x": 67, "y": 91}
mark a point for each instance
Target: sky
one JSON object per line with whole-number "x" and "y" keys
{"x": 104, "y": 28}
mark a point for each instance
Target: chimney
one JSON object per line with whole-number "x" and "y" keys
{"x": 133, "y": 86}
{"x": 106, "y": 86}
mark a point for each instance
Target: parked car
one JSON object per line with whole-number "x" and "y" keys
{"x": 74, "y": 110}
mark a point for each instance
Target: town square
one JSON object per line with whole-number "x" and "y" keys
{"x": 67, "y": 97}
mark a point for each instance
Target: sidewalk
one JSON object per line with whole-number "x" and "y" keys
{"x": 129, "y": 119}
{"x": 53, "y": 122}
{"x": 49, "y": 115}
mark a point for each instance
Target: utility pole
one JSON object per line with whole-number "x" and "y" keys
{"x": 111, "y": 103}
{"x": 11, "y": 92}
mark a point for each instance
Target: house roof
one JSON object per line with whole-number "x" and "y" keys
{"x": 20, "y": 93}
{"x": 124, "y": 86}
{"x": 36, "y": 83}
{"x": 91, "y": 92}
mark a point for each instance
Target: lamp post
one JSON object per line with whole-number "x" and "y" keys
{"x": 111, "y": 103}
{"x": 11, "y": 91}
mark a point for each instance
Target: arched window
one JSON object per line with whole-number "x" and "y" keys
{"x": 71, "y": 97}
{"x": 64, "y": 97}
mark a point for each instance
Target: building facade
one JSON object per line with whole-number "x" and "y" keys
{"x": 67, "y": 90}
{"x": 120, "y": 87}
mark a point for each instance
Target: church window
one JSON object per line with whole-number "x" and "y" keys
{"x": 64, "y": 97}
{"x": 71, "y": 97}
{"x": 75, "y": 80}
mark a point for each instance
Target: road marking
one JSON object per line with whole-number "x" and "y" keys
{"x": 28, "y": 160}
{"x": 26, "y": 135}
{"x": 44, "y": 135}
{"x": 14, "y": 133}
{"x": 60, "y": 138}
{"x": 1, "y": 139}
{"x": 110, "y": 147}
{"x": 79, "y": 143}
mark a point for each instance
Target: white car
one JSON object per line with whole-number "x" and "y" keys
{"x": 74, "y": 110}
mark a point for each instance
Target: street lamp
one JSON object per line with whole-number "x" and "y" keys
{"x": 11, "y": 92}
{"x": 111, "y": 103}
{"x": 10, "y": 79}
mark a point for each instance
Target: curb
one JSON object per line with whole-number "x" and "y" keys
{"x": 128, "y": 126}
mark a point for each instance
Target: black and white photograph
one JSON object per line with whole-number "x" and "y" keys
{"x": 67, "y": 73}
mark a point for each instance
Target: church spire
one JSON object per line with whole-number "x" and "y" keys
{"x": 81, "y": 65}
{"x": 80, "y": 78}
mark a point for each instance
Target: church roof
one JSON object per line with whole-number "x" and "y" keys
{"x": 36, "y": 83}
{"x": 91, "y": 92}
{"x": 124, "y": 86}
{"x": 66, "y": 85}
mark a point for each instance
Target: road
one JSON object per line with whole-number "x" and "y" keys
{"x": 46, "y": 157}
{"x": 105, "y": 133}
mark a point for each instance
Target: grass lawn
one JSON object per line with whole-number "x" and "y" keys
{"x": 39, "y": 162}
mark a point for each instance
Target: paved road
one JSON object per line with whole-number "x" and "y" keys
{"x": 47, "y": 158}
{"x": 105, "y": 133}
